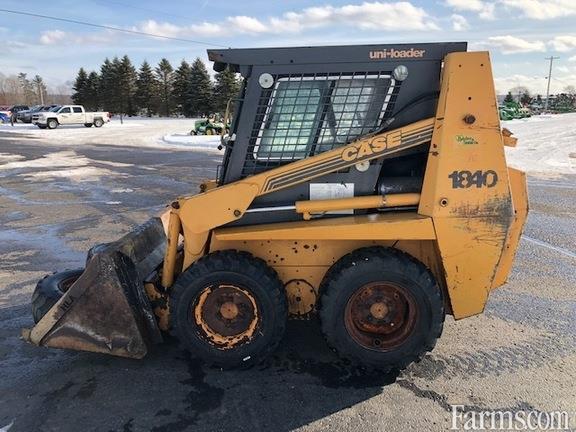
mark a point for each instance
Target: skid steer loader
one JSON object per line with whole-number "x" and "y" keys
{"x": 365, "y": 184}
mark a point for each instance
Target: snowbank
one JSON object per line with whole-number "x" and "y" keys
{"x": 546, "y": 144}
{"x": 191, "y": 142}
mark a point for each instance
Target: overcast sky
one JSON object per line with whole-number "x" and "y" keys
{"x": 518, "y": 33}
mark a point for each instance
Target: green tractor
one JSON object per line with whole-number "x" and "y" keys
{"x": 513, "y": 110}
{"x": 208, "y": 126}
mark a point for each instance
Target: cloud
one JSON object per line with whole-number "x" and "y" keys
{"x": 484, "y": 9}
{"x": 52, "y": 37}
{"x": 459, "y": 23}
{"x": 59, "y": 37}
{"x": 543, "y": 9}
{"x": 572, "y": 59}
{"x": 246, "y": 24}
{"x": 563, "y": 43}
{"x": 368, "y": 15}
{"x": 377, "y": 15}
{"x": 514, "y": 45}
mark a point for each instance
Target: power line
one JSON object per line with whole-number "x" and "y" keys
{"x": 118, "y": 29}
{"x": 551, "y": 58}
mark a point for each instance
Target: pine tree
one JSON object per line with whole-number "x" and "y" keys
{"x": 92, "y": 103}
{"x": 509, "y": 98}
{"x": 182, "y": 78}
{"x": 165, "y": 74}
{"x": 200, "y": 90}
{"x": 79, "y": 95}
{"x": 227, "y": 87}
{"x": 27, "y": 89}
{"x": 40, "y": 88}
{"x": 106, "y": 86}
{"x": 125, "y": 86}
{"x": 146, "y": 89}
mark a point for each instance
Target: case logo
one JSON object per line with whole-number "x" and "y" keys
{"x": 393, "y": 53}
{"x": 366, "y": 148}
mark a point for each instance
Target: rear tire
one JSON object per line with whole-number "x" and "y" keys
{"x": 229, "y": 309}
{"x": 49, "y": 290}
{"x": 381, "y": 308}
{"x": 98, "y": 123}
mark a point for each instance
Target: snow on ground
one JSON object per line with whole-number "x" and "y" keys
{"x": 63, "y": 164}
{"x": 139, "y": 132}
{"x": 199, "y": 142}
{"x": 546, "y": 144}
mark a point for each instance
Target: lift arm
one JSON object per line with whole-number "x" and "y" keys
{"x": 201, "y": 213}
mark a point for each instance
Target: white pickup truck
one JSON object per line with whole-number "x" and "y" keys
{"x": 69, "y": 114}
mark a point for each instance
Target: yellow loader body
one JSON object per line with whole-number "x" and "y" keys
{"x": 464, "y": 225}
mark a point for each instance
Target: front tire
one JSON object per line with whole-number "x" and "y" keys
{"x": 381, "y": 308}
{"x": 87, "y": 125}
{"x": 49, "y": 290}
{"x": 52, "y": 124}
{"x": 229, "y": 309}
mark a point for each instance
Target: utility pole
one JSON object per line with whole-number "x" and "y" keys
{"x": 551, "y": 58}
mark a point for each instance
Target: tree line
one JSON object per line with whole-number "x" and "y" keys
{"x": 162, "y": 90}
{"x": 21, "y": 90}
{"x": 562, "y": 102}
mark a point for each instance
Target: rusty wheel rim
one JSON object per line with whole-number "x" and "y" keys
{"x": 380, "y": 316}
{"x": 226, "y": 315}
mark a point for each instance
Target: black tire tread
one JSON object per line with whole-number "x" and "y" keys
{"x": 411, "y": 266}
{"x": 47, "y": 292}
{"x": 240, "y": 262}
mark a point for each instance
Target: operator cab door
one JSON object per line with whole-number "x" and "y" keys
{"x": 77, "y": 115}
{"x": 65, "y": 115}
{"x": 294, "y": 112}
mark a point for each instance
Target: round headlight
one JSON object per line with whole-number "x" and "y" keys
{"x": 400, "y": 73}
{"x": 266, "y": 80}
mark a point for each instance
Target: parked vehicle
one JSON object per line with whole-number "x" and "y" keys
{"x": 13, "y": 110}
{"x": 5, "y": 109}
{"x": 208, "y": 126}
{"x": 26, "y": 116}
{"x": 513, "y": 110}
{"x": 67, "y": 115}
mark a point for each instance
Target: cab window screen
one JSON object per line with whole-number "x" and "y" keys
{"x": 309, "y": 115}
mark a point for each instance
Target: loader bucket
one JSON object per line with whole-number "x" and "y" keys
{"x": 106, "y": 310}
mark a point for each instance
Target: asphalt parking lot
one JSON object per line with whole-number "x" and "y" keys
{"x": 56, "y": 202}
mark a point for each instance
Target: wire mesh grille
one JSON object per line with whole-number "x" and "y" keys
{"x": 305, "y": 114}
